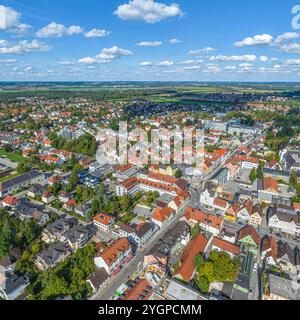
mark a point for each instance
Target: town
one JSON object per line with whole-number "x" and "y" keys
{"x": 72, "y": 228}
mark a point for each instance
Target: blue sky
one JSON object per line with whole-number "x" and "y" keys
{"x": 192, "y": 40}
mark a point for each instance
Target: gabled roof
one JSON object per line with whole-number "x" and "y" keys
{"x": 249, "y": 231}
{"x": 196, "y": 245}
{"x": 141, "y": 290}
{"x": 206, "y": 218}
{"x": 162, "y": 214}
{"x": 104, "y": 219}
{"x": 226, "y": 246}
{"x": 112, "y": 253}
{"x": 270, "y": 183}
{"x": 269, "y": 244}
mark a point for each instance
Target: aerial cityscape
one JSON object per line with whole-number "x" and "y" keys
{"x": 149, "y": 150}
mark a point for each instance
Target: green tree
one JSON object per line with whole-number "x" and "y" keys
{"x": 203, "y": 284}
{"x": 252, "y": 175}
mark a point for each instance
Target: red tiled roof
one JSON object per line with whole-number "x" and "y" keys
{"x": 270, "y": 183}
{"x": 269, "y": 243}
{"x": 297, "y": 206}
{"x": 9, "y": 200}
{"x": 196, "y": 245}
{"x": 103, "y": 219}
{"x": 110, "y": 254}
{"x": 162, "y": 214}
{"x": 141, "y": 291}
{"x": 206, "y": 218}
{"x": 249, "y": 230}
{"x": 226, "y": 246}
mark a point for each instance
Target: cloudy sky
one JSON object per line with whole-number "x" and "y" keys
{"x": 193, "y": 40}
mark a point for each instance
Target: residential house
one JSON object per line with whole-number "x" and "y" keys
{"x": 47, "y": 197}
{"x": 21, "y": 181}
{"x": 52, "y": 256}
{"x": 249, "y": 239}
{"x": 104, "y": 222}
{"x": 28, "y": 210}
{"x": 284, "y": 219}
{"x": 64, "y": 196}
{"x": 54, "y": 231}
{"x": 282, "y": 289}
{"x": 34, "y": 191}
{"x": 139, "y": 234}
{"x": 11, "y": 287}
{"x": 9, "y": 201}
{"x": 186, "y": 270}
{"x": 161, "y": 216}
{"x": 207, "y": 222}
{"x": 269, "y": 250}
{"x": 76, "y": 237}
{"x": 98, "y": 279}
{"x": 70, "y": 205}
{"x": 114, "y": 257}
{"x": 82, "y": 209}
{"x": 140, "y": 289}
{"x": 221, "y": 245}
{"x": 172, "y": 241}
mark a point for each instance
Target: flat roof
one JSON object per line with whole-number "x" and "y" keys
{"x": 180, "y": 292}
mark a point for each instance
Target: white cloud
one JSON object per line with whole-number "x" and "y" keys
{"x": 58, "y": 30}
{"x": 3, "y": 43}
{"x": 148, "y": 11}
{"x": 149, "y": 44}
{"x": 293, "y": 61}
{"x": 7, "y": 61}
{"x": 263, "y": 58}
{"x": 245, "y": 65}
{"x": 9, "y": 18}
{"x": 25, "y": 46}
{"x": 260, "y": 39}
{"x": 10, "y": 21}
{"x": 27, "y": 69}
{"x": 290, "y": 48}
{"x": 288, "y": 36}
{"x": 230, "y": 67}
{"x": 192, "y": 68}
{"x": 174, "y": 41}
{"x": 146, "y": 63}
{"x": 116, "y": 51}
{"x": 66, "y": 63}
{"x": 200, "y": 51}
{"x": 246, "y": 58}
{"x": 165, "y": 63}
{"x": 106, "y": 55}
{"x": 191, "y": 62}
{"x": 97, "y": 33}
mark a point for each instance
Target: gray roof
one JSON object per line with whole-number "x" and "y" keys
{"x": 59, "y": 226}
{"x": 21, "y": 179}
{"x": 14, "y": 282}
{"x": 98, "y": 278}
{"x": 53, "y": 253}
{"x": 283, "y": 287}
{"x": 76, "y": 232}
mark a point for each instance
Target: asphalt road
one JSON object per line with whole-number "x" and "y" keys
{"x": 122, "y": 277}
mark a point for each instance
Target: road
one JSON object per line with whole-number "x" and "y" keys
{"x": 122, "y": 277}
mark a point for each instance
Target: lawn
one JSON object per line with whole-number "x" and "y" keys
{"x": 10, "y": 176}
{"x": 12, "y": 156}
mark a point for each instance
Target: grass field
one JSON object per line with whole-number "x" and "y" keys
{"x": 10, "y": 176}
{"x": 12, "y": 156}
